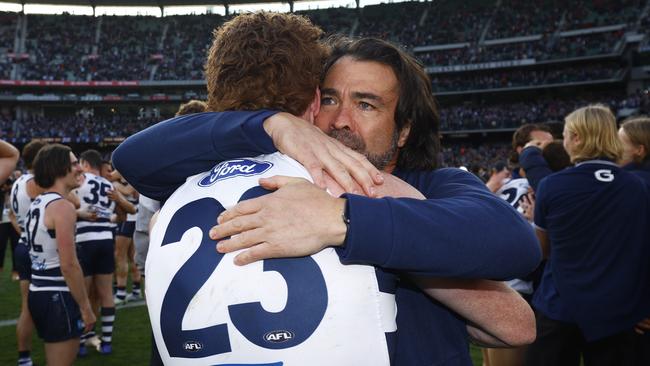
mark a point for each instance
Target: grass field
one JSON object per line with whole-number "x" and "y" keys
{"x": 131, "y": 337}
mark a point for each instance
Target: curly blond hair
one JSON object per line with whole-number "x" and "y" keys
{"x": 264, "y": 60}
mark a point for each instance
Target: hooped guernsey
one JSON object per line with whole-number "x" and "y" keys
{"x": 205, "y": 310}
{"x": 44, "y": 254}
{"x": 93, "y": 197}
{"x": 20, "y": 202}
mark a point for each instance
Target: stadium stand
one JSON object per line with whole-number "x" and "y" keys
{"x": 494, "y": 64}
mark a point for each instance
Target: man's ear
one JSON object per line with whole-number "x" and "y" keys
{"x": 641, "y": 151}
{"x": 404, "y": 135}
{"x": 314, "y": 107}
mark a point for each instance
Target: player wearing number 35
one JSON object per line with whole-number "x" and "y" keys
{"x": 592, "y": 222}
{"x": 57, "y": 298}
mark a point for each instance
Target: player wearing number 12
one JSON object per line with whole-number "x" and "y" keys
{"x": 57, "y": 298}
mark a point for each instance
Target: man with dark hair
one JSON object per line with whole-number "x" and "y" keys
{"x": 420, "y": 321}
{"x": 23, "y": 193}
{"x": 95, "y": 240}
{"x": 58, "y": 300}
{"x": 526, "y": 133}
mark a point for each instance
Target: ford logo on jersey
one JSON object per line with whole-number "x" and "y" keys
{"x": 234, "y": 168}
{"x": 278, "y": 336}
{"x": 192, "y": 346}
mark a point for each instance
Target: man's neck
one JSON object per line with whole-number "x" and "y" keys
{"x": 60, "y": 188}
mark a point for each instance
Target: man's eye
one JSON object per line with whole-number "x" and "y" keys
{"x": 366, "y": 106}
{"x": 326, "y": 101}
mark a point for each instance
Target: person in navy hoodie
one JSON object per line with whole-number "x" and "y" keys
{"x": 592, "y": 224}
{"x": 635, "y": 137}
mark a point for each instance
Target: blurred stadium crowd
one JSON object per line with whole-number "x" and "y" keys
{"x": 66, "y": 47}
{"x": 537, "y": 47}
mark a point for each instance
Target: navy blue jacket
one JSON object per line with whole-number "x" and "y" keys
{"x": 461, "y": 230}
{"x": 598, "y": 274}
{"x": 532, "y": 161}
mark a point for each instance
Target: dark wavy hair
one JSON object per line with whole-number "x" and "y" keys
{"x": 30, "y": 150}
{"x": 522, "y": 136}
{"x": 93, "y": 158}
{"x": 416, "y": 105}
{"x": 51, "y": 162}
{"x": 264, "y": 60}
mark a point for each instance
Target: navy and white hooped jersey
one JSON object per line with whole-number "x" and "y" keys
{"x": 93, "y": 196}
{"x": 205, "y": 310}
{"x": 43, "y": 250}
{"x": 20, "y": 200}
{"x": 134, "y": 200}
{"x": 513, "y": 191}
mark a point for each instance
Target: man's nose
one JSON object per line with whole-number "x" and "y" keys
{"x": 344, "y": 119}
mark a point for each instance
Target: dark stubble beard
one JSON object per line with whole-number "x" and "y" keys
{"x": 356, "y": 143}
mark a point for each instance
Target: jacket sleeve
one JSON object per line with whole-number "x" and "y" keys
{"x": 460, "y": 230}
{"x": 157, "y": 160}
{"x": 534, "y": 164}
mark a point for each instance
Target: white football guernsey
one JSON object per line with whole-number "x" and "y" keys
{"x": 43, "y": 249}
{"x": 205, "y": 310}
{"x": 93, "y": 196}
{"x": 20, "y": 200}
{"x": 512, "y": 192}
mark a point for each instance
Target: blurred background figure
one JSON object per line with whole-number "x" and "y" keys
{"x": 635, "y": 137}
{"x": 592, "y": 224}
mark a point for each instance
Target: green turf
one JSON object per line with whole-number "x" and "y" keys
{"x": 131, "y": 337}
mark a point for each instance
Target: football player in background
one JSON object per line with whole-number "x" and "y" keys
{"x": 95, "y": 240}
{"x": 57, "y": 299}
{"x": 23, "y": 193}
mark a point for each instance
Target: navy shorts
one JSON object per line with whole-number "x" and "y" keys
{"x": 127, "y": 228}
{"x": 97, "y": 257}
{"x": 56, "y": 315}
{"x": 23, "y": 262}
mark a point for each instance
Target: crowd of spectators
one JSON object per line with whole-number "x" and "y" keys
{"x": 477, "y": 158}
{"x": 5, "y": 68}
{"x": 585, "y": 45}
{"x": 454, "y": 117}
{"x": 126, "y": 46}
{"x": 540, "y": 50}
{"x": 186, "y": 45}
{"x": 454, "y": 22}
{"x": 516, "y": 18}
{"x": 596, "y": 13}
{"x": 71, "y": 129}
{"x": 334, "y": 20}
{"x": 67, "y": 47}
{"x": 395, "y": 22}
{"x": 477, "y": 116}
{"x": 524, "y": 77}
{"x": 56, "y": 45}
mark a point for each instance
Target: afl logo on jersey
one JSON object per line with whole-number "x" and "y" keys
{"x": 278, "y": 336}
{"x": 234, "y": 168}
{"x": 192, "y": 346}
